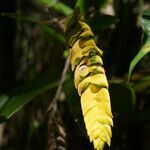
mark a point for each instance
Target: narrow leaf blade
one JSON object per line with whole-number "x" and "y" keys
{"x": 145, "y": 50}
{"x": 16, "y": 99}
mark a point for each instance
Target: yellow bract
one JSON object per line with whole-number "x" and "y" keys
{"x": 91, "y": 82}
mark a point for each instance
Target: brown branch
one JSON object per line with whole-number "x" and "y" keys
{"x": 56, "y": 131}
{"x": 63, "y": 77}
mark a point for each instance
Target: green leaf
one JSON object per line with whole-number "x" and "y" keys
{"x": 75, "y": 106}
{"x": 123, "y": 102}
{"x": 145, "y": 23}
{"x": 101, "y": 22}
{"x": 55, "y": 5}
{"x": 146, "y": 14}
{"x": 102, "y": 3}
{"x": 141, "y": 116}
{"x": 19, "y": 17}
{"x": 53, "y": 34}
{"x": 72, "y": 26}
{"x": 141, "y": 85}
{"x": 3, "y": 100}
{"x": 49, "y": 31}
{"x": 145, "y": 50}
{"x": 47, "y": 3}
{"x": 17, "y": 98}
{"x": 62, "y": 8}
{"x": 83, "y": 5}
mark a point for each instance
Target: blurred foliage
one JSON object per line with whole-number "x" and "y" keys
{"x": 145, "y": 23}
{"x": 32, "y": 44}
{"x": 14, "y": 100}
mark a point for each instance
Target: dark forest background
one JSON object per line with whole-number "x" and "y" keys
{"x": 32, "y": 57}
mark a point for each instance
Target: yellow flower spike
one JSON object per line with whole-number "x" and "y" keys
{"x": 82, "y": 71}
{"x": 95, "y": 133}
{"x": 86, "y": 34}
{"x": 99, "y": 144}
{"x": 105, "y": 120}
{"x": 84, "y": 26}
{"x": 97, "y": 79}
{"x": 91, "y": 82}
{"x": 103, "y": 96}
{"x": 106, "y": 138}
{"x": 102, "y": 128}
{"x": 87, "y": 42}
{"x": 106, "y": 127}
{"x": 78, "y": 54}
{"x": 89, "y": 116}
{"x": 105, "y": 107}
{"x": 95, "y": 60}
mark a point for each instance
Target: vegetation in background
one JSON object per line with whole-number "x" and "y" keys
{"x": 39, "y": 107}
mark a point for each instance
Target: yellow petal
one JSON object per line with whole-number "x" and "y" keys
{"x": 86, "y": 34}
{"x": 103, "y": 96}
{"x": 95, "y": 60}
{"x": 83, "y": 71}
{"x": 76, "y": 50}
{"x": 84, "y": 25}
{"x": 89, "y": 42}
{"x": 97, "y": 79}
{"x": 88, "y": 117}
{"x": 97, "y": 125}
{"x": 98, "y": 144}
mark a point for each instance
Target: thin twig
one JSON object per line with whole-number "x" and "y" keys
{"x": 2, "y": 126}
{"x": 56, "y": 130}
{"x": 59, "y": 89}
